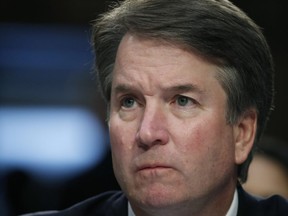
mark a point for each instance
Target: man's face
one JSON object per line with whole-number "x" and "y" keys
{"x": 170, "y": 140}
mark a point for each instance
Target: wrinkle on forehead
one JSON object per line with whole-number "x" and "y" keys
{"x": 148, "y": 64}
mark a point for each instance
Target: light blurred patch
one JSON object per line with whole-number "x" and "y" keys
{"x": 50, "y": 142}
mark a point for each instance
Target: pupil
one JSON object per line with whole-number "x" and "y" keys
{"x": 182, "y": 101}
{"x": 129, "y": 102}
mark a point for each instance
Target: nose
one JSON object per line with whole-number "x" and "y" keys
{"x": 152, "y": 128}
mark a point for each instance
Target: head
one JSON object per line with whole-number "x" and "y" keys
{"x": 214, "y": 31}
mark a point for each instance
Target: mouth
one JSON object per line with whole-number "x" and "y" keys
{"x": 154, "y": 171}
{"x": 153, "y": 167}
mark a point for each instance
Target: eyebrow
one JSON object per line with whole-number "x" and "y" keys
{"x": 184, "y": 88}
{"x": 122, "y": 88}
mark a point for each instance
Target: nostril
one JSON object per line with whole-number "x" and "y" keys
{"x": 147, "y": 138}
{"x": 143, "y": 146}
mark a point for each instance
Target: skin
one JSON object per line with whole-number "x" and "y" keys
{"x": 173, "y": 151}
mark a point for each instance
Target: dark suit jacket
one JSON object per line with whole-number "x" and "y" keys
{"x": 116, "y": 204}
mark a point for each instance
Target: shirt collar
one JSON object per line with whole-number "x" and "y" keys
{"x": 234, "y": 205}
{"x": 130, "y": 211}
{"x": 231, "y": 212}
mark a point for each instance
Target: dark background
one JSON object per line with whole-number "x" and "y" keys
{"x": 25, "y": 194}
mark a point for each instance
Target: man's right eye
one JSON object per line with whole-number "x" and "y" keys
{"x": 128, "y": 102}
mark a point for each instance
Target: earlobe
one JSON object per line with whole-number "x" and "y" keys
{"x": 245, "y": 132}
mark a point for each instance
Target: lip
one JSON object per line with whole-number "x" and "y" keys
{"x": 153, "y": 167}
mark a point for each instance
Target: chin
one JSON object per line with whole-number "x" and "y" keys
{"x": 158, "y": 196}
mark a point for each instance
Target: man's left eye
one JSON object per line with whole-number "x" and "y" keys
{"x": 184, "y": 101}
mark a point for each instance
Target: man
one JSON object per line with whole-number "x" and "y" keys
{"x": 189, "y": 86}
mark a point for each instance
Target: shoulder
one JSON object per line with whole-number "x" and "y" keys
{"x": 251, "y": 205}
{"x": 107, "y": 204}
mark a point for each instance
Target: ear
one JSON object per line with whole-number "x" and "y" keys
{"x": 244, "y": 133}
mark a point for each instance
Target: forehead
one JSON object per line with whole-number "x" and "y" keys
{"x": 141, "y": 58}
{"x": 150, "y": 69}
{"x": 139, "y": 50}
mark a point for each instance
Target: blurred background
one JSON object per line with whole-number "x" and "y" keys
{"x": 54, "y": 145}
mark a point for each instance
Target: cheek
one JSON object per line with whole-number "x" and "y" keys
{"x": 206, "y": 141}
{"x": 207, "y": 154}
{"x": 122, "y": 140}
{"x": 118, "y": 146}
{"x": 193, "y": 135}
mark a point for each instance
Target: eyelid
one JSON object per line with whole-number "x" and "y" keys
{"x": 192, "y": 100}
{"x": 122, "y": 98}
